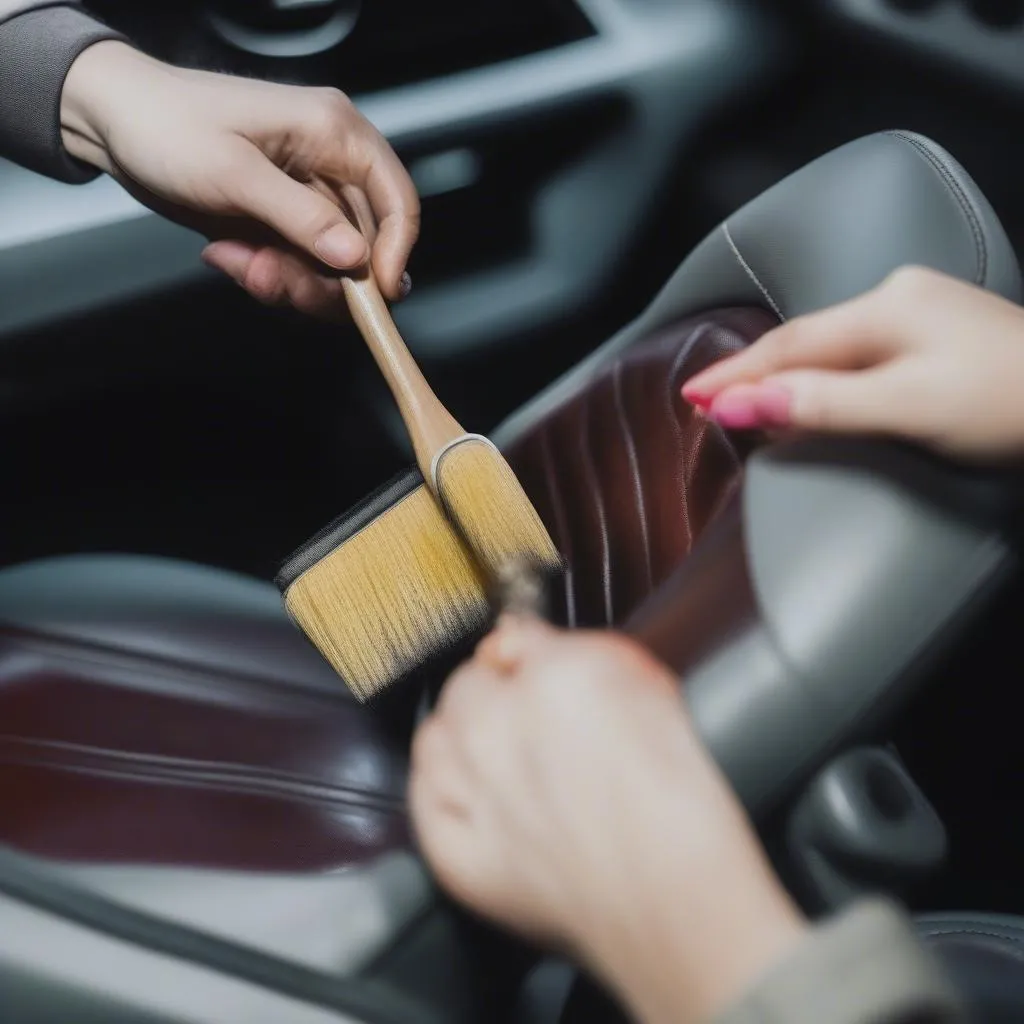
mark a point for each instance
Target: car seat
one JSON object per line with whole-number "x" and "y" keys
{"x": 199, "y": 823}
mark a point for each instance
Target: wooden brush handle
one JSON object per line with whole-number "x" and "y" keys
{"x": 431, "y": 426}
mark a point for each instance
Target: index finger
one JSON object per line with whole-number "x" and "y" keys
{"x": 853, "y": 335}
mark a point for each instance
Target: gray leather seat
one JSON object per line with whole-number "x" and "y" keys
{"x": 984, "y": 954}
{"x": 216, "y": 831}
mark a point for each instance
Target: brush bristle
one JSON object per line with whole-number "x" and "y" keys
{"x": 400, "y": 591}
{"x": 489, "y": 506}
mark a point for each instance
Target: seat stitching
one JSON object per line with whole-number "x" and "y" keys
{"x": 73, "y": 648}
{"x": 940, "y": 932}
{"x": 634, "y": 469}
{"x": 194, "y": 773}
{"x": 959, "y": 195}
{"x": 561, "y": 525}
{"x": 682, "y": 478}
{"x": 594, "y": 485}
{"x": 750, "y": 272}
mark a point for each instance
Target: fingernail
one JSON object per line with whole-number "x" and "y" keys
{"x": 747, "y": 408}
{"x": 695, "y": 394}
{"x": 733, "y": 411}
{"x": 338, "y": 247}
{"x": 404, "y": 285}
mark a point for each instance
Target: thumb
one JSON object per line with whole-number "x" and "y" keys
{"x": 298, "y": 213}
{"x": 512, "y": 640}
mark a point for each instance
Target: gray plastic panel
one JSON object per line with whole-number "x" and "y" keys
{"x": 948, "y": 31}
{"x": 860, "y": 576}
{"x": 336, "y": 923}
{"x": 855, "y": 574}
{"x": 66, "y": 249}
{"x": 52, "y": 971}
{"x": 862, "y": 825}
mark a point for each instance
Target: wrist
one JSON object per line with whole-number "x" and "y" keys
{"x": 99, "y": 77}
{"x": 693, "y": 962}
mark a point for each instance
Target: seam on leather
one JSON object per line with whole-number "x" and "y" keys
{"x": 750, "y": 272}
{"x": 593, "y": 479}
{"x": 76, "y": 652}
{"x": 981, "y": 933}
{"x": 634, "y": 469}
{"x": 955, "y": 189}
{"x": 193, "y": 774}
{"x": 685, "y": 350}
{"x": 558, "y": 509}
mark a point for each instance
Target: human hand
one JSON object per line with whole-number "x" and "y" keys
{"x": 560, "y": 789}
{"x": 262, "y": 170}
{"x": 923, "y": 356}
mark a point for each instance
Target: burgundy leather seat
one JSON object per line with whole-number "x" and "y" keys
{"x": 162, "y": 724}
{"x": 159, "y": 713}
{"x": 627, "y": 475}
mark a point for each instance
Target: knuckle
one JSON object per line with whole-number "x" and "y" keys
{"x": 815, "y": 411}
{"x": 332, "y": 109}
{"x": 781, "y": 345}
{"x": 264, "y": 284}
{"x": 910, "y": 278}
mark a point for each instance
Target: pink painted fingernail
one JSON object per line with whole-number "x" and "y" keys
{"x": 747, "y": 407}
{"x": 695, "y": 394}
{"x": 734, "y": 410}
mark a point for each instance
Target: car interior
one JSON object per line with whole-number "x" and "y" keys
{"x": 198, "y": 823}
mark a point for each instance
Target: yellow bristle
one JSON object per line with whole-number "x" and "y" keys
{"x": 489, "y": 506}
{"x": 399, "y": 591}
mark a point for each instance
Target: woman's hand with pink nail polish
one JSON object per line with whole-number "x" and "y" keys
{"x": 276, "y": 176}
{"x": 923, "y": 356}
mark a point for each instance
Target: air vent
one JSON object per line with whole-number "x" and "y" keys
{"x": 356, "y": 46}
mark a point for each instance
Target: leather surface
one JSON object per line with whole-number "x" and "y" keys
{"x": 192, "y": 615}
{"x": 830, "y": 231}
{"x": 984, "y": 954}
{"x": 156, "y": 713}
{"x": 625, "y": 474}
{"x": 112, "y": 752}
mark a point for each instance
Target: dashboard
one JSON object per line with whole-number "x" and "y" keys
{"x": 983, "y": 38}
{"x": 517, "y": 121}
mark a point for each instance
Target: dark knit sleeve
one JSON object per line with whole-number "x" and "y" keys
{"x": 37, "y": 49}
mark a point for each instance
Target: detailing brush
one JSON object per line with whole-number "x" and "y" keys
{"x": 390, "y": 586}
{"x": 386, "y": 588}
{"x": 466, "y": 473}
